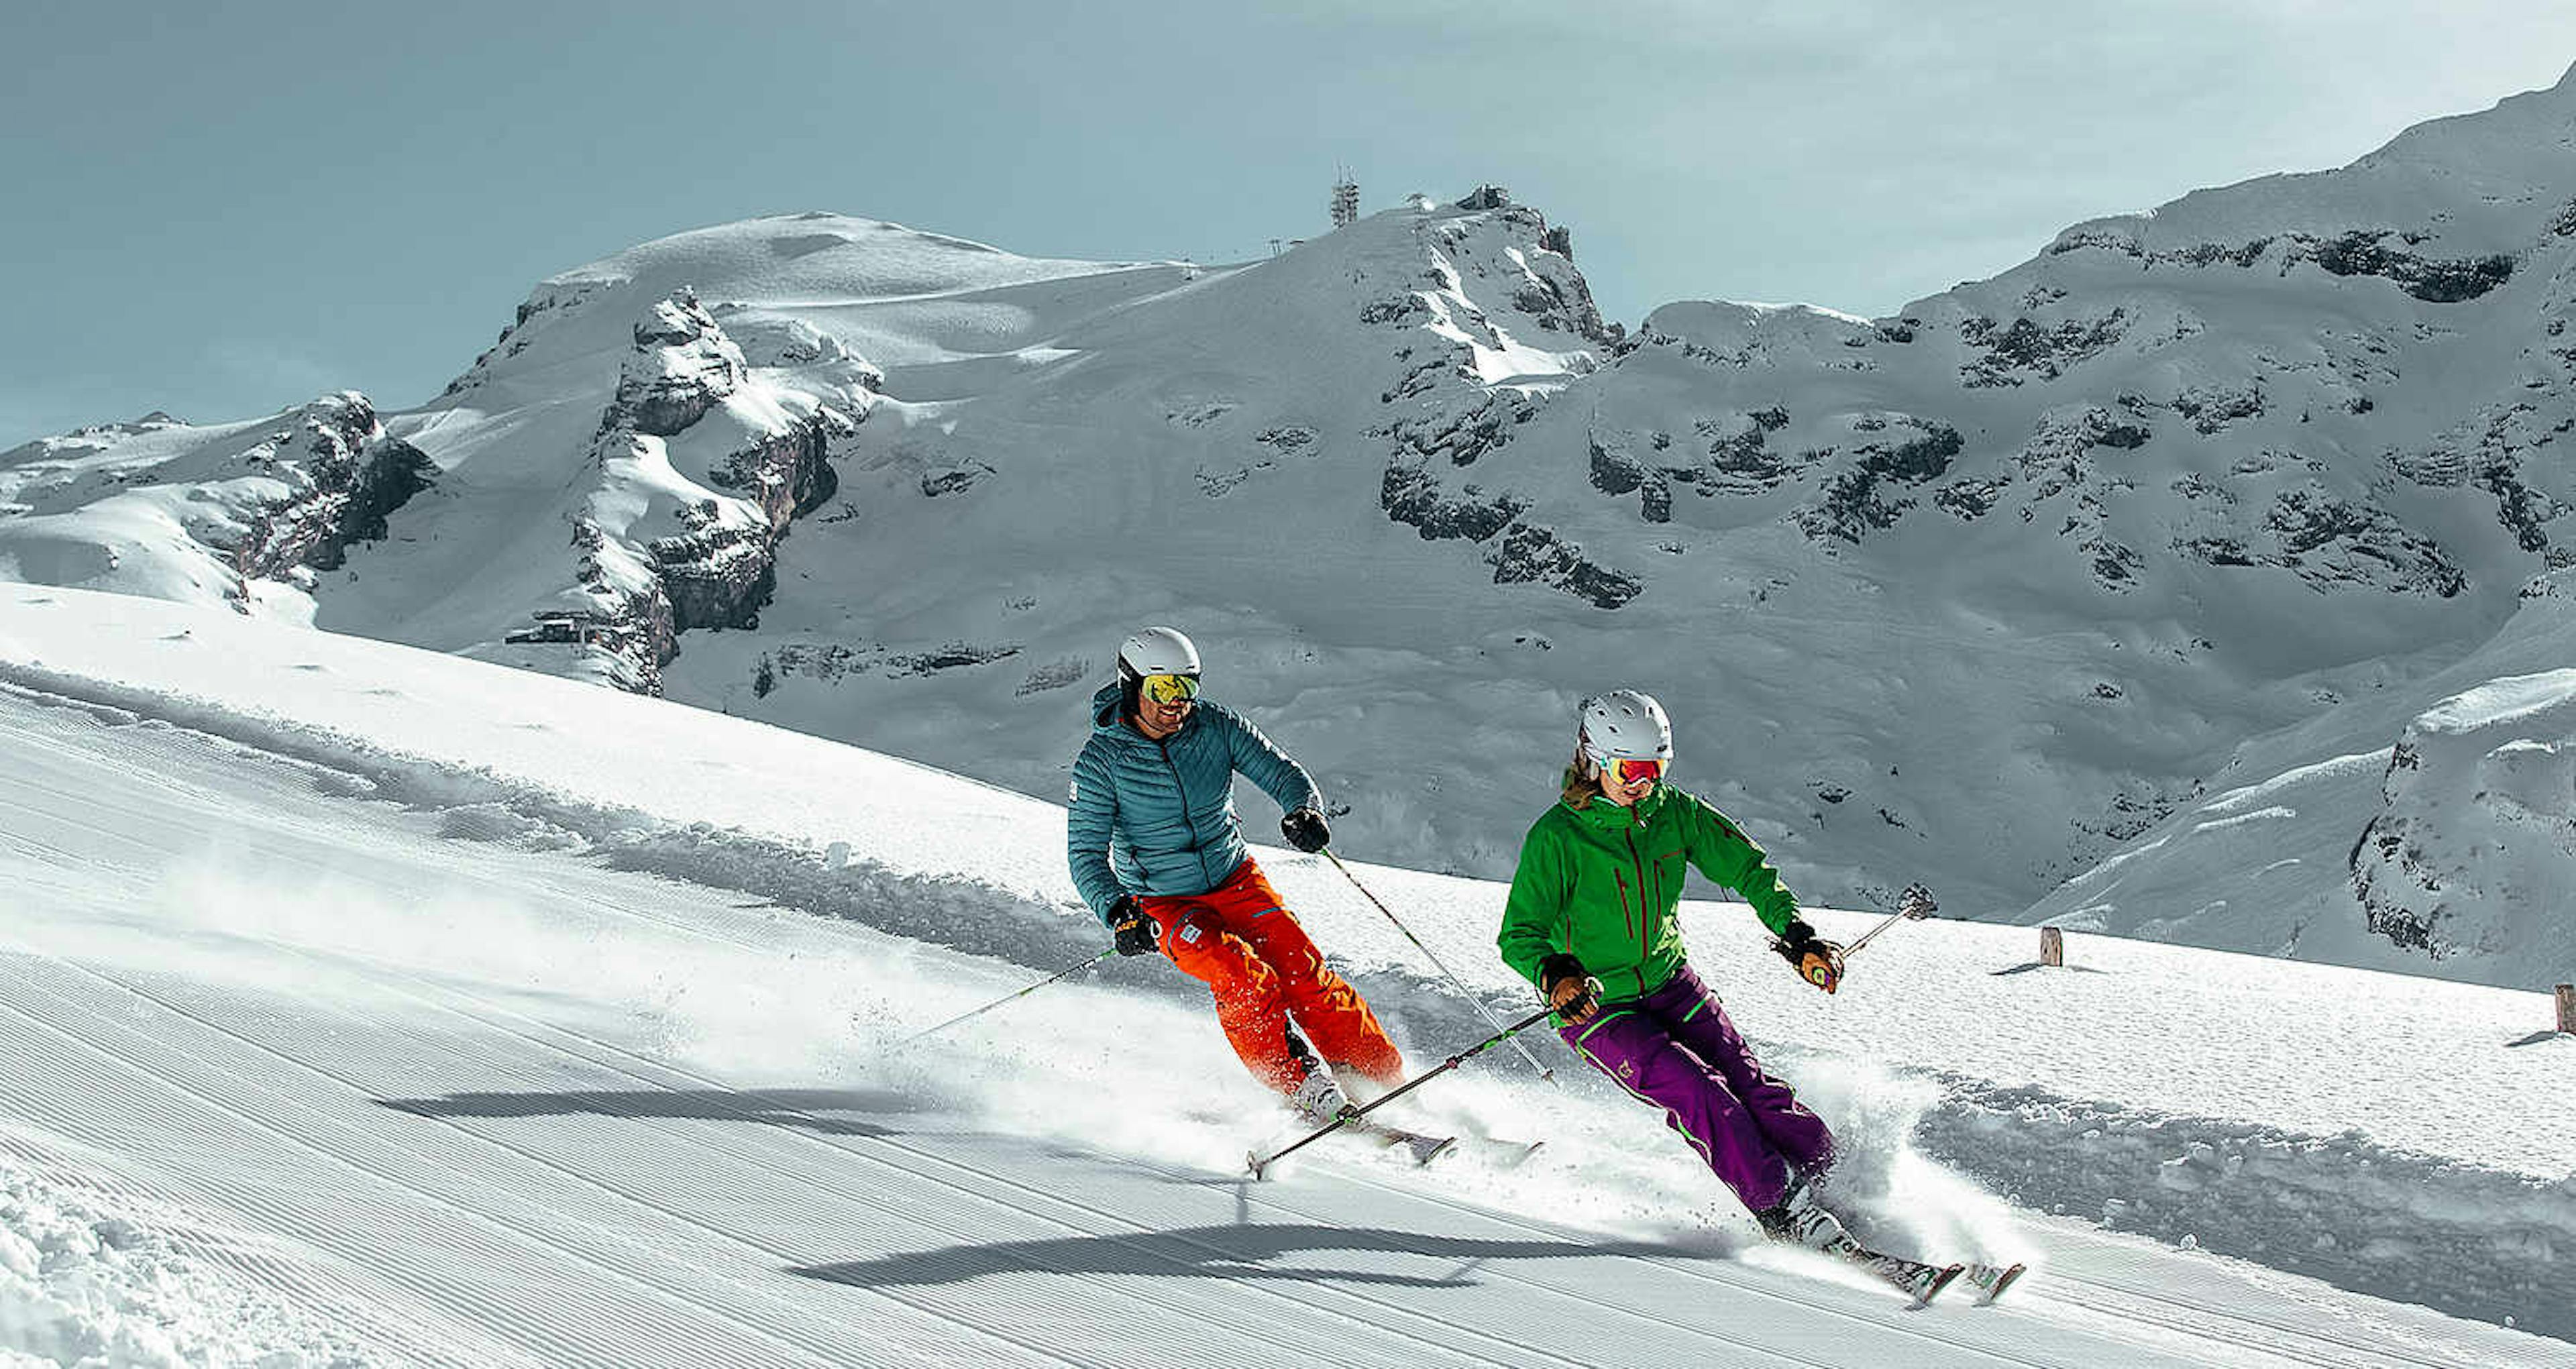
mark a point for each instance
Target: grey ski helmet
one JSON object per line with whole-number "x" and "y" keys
{"x": 1156, "y": 651}
{"x": 1625, "y": 724}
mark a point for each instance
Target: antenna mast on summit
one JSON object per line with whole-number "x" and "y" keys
{"x": 1346, "y": 199}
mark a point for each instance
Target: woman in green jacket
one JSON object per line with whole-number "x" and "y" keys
{"x": 1591, "y": 923}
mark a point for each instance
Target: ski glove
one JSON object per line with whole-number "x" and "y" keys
{"x": 1574, "y": 994}
{"x": 1136, "y": 932}
{"x": 1818, "y": 961}
{"x": 1305, "y": 830}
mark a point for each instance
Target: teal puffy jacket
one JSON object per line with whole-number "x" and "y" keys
{"x": 1153, "y": 817}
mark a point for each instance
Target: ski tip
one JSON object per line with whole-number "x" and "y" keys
{"x": 1941, "y": 1280}
{"x": 1425, "y": 1152}
{"x": 1988, "y": 1291}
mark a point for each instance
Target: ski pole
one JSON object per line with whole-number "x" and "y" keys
{"x": 1074, "y": 968}
{"x": 1261, "y": 1162}
{"x": 1490, "y": 1020}
{"x": 1914, "y": 905}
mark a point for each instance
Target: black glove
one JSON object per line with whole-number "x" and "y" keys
{"x": 1305, "y": 830}
{"x": 1818, "y": 961}
{"x": 1560, "y": 969}
{"x": 1136, "y": 932}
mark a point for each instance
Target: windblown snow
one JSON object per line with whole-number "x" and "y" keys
{"x": 369, "y": 1005}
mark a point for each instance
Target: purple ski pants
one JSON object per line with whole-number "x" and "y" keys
{"x": 1676, "y": 1049}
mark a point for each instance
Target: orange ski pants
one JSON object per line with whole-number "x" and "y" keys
{"x": 1244, "y": 944}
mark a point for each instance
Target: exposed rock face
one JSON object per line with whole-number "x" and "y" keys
{"x": 1530, "y": 554}
{"x": 1412, "y": 496}
{"x": 682, "y": 366}
{"x": 2027, "y": 350}
{"x": 1450, "y": 412}
{"x": 716, "y": 564}
{"x": 1861, "y": 496}
{"x": 788, "y": 474}
{"x": 346, "y": 476}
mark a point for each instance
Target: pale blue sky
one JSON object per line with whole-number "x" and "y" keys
{"x": 221, "y": 210}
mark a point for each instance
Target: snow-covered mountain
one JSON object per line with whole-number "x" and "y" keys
{"x": 2030, "y": 591}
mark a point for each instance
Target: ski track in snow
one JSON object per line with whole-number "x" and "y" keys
{"x": 572, "y": 1148}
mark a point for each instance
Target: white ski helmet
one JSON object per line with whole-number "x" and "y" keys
{"x": 1625, "y": 725}
{"x": 1156, "y": 651}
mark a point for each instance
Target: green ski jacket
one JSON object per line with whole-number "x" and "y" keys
{"x": 1602, "y": 883}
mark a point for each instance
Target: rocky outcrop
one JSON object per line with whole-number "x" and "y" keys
{"x": 683, "y": 365}
{"x": 1862, "y": 495}
{"x": 716, "y": 574}
{"x": 2435, "y": 281}
{"x": 717, "y": 565}
{"x": 1449, "y": 416}
{"x": 2333, "y": 543}
{"x": 2355, "y": 252}
{"x": 1412, "y": 496}
{"x": 788, "y": 474}
{"x": 2024, "y": 350}
{"x": 1530, "y": 554}
{"x": 344, "y": 475}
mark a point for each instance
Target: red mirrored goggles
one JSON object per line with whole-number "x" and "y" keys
{"x": 1169, "y": 689}
{"x": 1630, "y": 771}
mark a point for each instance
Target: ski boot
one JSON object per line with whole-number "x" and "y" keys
{"x": 1319, "y": 1099}
{"x": 1798, "y": 1219}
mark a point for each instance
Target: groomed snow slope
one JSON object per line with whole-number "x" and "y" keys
{"x": 340, "y": 980}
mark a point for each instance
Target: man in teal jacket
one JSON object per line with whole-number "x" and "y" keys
{"x": 1590, "y": 921}
{"x": 1158, "y": 853}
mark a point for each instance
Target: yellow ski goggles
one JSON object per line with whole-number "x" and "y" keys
{"x": 1169, "y": 689}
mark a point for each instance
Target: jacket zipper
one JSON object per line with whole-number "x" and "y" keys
{"x": 1188, "y": 825}
{"x": 1642, "y": 916}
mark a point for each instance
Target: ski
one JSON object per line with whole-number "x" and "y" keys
{"x": 1505, "y": 1152}
{"x": 1422, "y": 1147}
{"x": 1990, "y": 1280}
{"x": 1922, "y": 1282}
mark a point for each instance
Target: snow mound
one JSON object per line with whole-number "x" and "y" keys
{"x": 79, "y": 1286}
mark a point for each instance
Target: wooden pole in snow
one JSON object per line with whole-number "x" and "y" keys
{"x": 2052, "y": 946}
{"x": 2567, "y": 1008}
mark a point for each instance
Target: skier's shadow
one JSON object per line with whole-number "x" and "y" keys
{"x": 1216, "y": 1252}
{"x": 797, "y": 1108}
